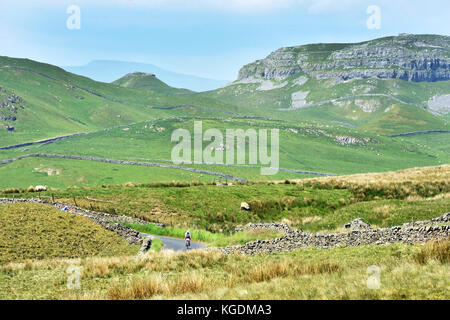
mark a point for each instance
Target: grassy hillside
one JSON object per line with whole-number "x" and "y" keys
{"x": 34, "y": 231}
{"x": 372, "y": 84}
{"x": 56, "y": 102}
{"x": 362, "y": 105}
{"x": 140, "y": 80}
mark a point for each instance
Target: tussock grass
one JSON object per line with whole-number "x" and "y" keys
{"x": 305, "y": 274}
{"x": 143, "y": 288}
{"x": 436, "y": 250}
{"x": 286, "y": 268}
{"x": 36, "y": 231}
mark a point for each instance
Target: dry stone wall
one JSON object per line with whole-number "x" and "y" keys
{"x": 410, "y": 233}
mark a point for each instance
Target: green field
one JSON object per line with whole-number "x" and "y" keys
{"x": 302, "y": 147}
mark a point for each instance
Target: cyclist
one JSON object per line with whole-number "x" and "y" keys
{"x": 187, "y": 238}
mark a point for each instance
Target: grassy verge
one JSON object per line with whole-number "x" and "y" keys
{"x": 157, "y": 245}
{"x": 175, "y": 232}
{"x": 214, "y": 239}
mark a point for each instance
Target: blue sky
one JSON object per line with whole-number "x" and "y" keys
{"x": 208, "y": 38}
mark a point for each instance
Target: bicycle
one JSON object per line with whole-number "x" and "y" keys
{"x": 188, "y": 243}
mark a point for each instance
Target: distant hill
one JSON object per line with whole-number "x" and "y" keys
{"x": 150, "y": 81}
{"x": 41, "y": 101}
{"x": 108, "y": 71}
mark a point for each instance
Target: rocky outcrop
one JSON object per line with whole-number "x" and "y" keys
{"x": 440, "y": 104}
{"x": 362, "y": 234}
{"x": 414, "y": 58}
{"x": 146, "y": 245}
{"x": 358, "y": 225}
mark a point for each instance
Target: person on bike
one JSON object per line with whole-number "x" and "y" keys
{"x": 187, "y": 235}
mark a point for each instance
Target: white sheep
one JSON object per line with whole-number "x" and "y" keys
{"x": 41, "y": 188}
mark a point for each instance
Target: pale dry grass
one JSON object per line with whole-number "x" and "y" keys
{"x": 421, "y": 174}
{"x": 436, "y": 197}
{"x": 188, "y": 282}
{"x": 208, "y": 274}
{"x": 385, "y": 210}
{"x": 425, "y": 182}
{"x": 311, "y": 219}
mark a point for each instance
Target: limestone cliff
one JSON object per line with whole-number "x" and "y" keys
{"x": 414, "y": 58}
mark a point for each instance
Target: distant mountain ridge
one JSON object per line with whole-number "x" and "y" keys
{"x": 109, "y": 71}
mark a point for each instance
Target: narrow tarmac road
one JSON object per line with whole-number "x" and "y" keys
{"x": 175, "y": 244}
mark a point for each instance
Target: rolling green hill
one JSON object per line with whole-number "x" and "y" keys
{"x": 54, "y": 102}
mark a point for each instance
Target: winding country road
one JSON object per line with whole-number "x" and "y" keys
{"x": 175, "y": 244}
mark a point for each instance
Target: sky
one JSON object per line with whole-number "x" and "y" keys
{"x": 207, "y": 38}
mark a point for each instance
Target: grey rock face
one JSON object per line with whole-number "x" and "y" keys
{"x": 414, "y": 58}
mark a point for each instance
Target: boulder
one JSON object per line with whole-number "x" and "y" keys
{"x": 357, "y": 224}
{"x": 245, "y": 206}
